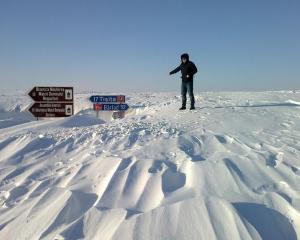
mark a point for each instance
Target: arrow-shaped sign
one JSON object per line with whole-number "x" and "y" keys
{"x": 52, "y": 94}
{"x": 107, "y": 99}
{"x": 110, "y": 107}
{"x": 44, "y": 109}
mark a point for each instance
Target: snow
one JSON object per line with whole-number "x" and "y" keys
{"x": 228, "y": 170}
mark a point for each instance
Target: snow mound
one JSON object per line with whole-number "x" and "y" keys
{"x": 213, "y": 218}
{"x": 11, "y": 119}
{"x": 81, "y": 121}
{"x": 293, "y": 102}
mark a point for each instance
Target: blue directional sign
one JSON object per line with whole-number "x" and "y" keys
{"x": 110, "y": 107}
{"x": 107, "y": 99}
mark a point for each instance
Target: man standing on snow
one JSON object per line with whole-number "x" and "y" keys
{"x": 188, "y": 69}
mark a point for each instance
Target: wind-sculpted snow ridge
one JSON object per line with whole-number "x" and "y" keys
{"x": 228, "y": 170}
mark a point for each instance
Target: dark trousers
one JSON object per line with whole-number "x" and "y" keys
{"x": 187, "y": 87}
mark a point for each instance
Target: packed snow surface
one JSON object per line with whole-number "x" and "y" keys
{"x": 228, "y": 170}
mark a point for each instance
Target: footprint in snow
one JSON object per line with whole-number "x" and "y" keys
{"x": 274, "y": 160}
{"x": 192, "y": 147}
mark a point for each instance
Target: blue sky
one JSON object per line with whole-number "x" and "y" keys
{"x": 132, "y": 45}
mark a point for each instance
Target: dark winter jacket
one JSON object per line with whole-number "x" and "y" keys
{"x": 188, "y": 68}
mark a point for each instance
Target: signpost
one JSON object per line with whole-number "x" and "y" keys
{"x": 110, "y": 107}
{"x": 107, "y": 99}
{"x": 115, "y": 103}
{"x": 52, "y": 94}
{"x": 52, "y": 101}
{"x": 51, "y": 109}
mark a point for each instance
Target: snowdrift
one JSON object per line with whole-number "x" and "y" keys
{"x": 228, "y": 170}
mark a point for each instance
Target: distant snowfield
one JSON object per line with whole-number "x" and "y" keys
{"x": 229, "y": 170}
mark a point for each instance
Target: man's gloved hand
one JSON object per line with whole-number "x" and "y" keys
{"x": 187, "y": 76}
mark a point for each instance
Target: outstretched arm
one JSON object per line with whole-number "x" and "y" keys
{"x": 175, "y": 70}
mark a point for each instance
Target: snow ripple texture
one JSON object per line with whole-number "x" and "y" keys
{"x": 228, "y": 170}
